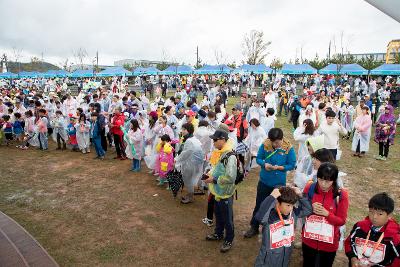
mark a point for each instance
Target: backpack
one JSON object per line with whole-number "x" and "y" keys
{"x": 239, "y": 168}
{"x": 311, "y": 192}
{"x": 175, "y": 181}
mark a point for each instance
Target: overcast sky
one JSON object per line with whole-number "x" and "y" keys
{"x": 121, "y": 29}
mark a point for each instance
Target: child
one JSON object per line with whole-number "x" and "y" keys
{"x": 18, "y": 127}
{"x": 96, "y": 132}
{"x": 269, "y": 121}
{"x": 59, "y": 127}
{"x": 165, "y": 158}
{"x": 42, "y": 129}
{"x": 375, "y": 241}
{"x": 72, "y": 134}
{"x": 83, "y": 134}
{"x": 7, "y": 129}
{"x": 29, "y": 129}
{"x": 275, "y": 214}
{"x": 134, "y": 150}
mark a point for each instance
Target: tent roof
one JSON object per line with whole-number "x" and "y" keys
{"x": 298, "y": 69}
{"x": 113, "y": 71}
{"x": 258, "y": 68}
{"x": 81, "y": 73}
{"x": 8, "y": 75}
{"x": 353, "y": 69}
{"x": 386, "y": 69}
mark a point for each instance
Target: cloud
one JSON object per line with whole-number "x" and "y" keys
{"x": 143, "y": 29}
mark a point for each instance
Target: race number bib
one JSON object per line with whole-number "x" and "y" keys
{"x": 377, "y": 256}
{"x": 282, "y": 234}
{"x": 318, "y": 228}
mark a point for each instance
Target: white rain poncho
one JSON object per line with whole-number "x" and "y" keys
{"x": 190, "y": 163}
{"x": 150, "y": 138}
{"x": 59, "y": 127}
{"x": 83, "y": 135}
{"x": 203, "y": 134}
{"x": 254, "y": 139}
{"x": 304, "y": 162}
{"x": 363, "y": 123}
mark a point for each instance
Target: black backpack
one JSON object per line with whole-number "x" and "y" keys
{"x": 239, "y": 168}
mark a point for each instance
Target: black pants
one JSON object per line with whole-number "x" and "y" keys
{"x": 334, "y": 152}
{"x": 262, "y": 192}
{"x": 119, "y": 145}
{"x": 103, "y": 139}
{"x": 384, "y": 149}
{"x": 59, "y": 139}
{"x": 317, "y": 258}
{"x": 210, "y": 206}
{"x": 295, "y": 121}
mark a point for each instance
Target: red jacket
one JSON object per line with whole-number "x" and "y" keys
{"x": 337, "y": 216}
{"x": 391, "y": 240}
{"x": 117, "y": 121}
{"x": 241, "y": 125}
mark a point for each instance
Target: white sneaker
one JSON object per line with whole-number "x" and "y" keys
{"x": 207, "y": 222}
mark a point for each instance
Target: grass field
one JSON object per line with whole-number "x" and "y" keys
{"x": 97, "y": 213}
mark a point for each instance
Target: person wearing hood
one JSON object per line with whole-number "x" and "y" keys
{"x": 375, "y": 241}
{"x": 276, "y": 156}
{"x": 117, "y": 121}
{"x": 362, "y": 133}
{"x": 385, "y": 131}
{"x": 277, "y": 215}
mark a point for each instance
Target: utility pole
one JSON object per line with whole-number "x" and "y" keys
{"x": 197, "y": 57}
{"x": 97, "y": 59}
{"x": 42, "y": 63}
{"x": 329, "y": 50}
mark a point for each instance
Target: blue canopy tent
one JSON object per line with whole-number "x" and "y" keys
{"x": 206, "y": 69}
{"x": 152, "y": 71}
{"x": 353, "y": 69}
{"x": 298, "y": 69}
{"x": 184, "y": 69}
{"x": 171, "y": 70}
{"x": 386, "y": 69}
{"x": 257, "y": 69}
{"x": 8, "y": 75}
{"x": 114, "y": 71}
{"x": 81, "y": 74}
{"x": 29, "y": 74}
{"x": 330, "y": 69}
{"x": 139, "y": 71}
{"x": 62, "y": 73}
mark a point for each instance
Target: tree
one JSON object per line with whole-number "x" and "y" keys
{"x": 162, "y": 66}
{"x": 254, "y": 47}
{"x": 127, "y": 66}
{"x": 276, "y": 64}
{"x": 232, "y": 65}
{"x": 17, "y": 53}
{"x": 369, "y": 62}
{"x": 318, "y": 63}
{"x": 80, "y": 56}
{"x": 219, "y": 56}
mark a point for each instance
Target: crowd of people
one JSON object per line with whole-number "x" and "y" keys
{"x": 194, "y": 137}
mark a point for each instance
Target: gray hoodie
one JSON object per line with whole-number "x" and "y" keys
{"x": 267, "y": 215}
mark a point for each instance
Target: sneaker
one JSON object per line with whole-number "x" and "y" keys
{"x": 101, "y": 158}
{"x": 24, "y": 147}
{"x": 379, "y": 157}
{"x": 161, "y": 182}
{"x": 384, "y": 158}
{"x": 207, "y": 222}
{"x": 226, "y": 246}
{"x": 251, "y": 232}
{"x": 213, "y": 237}
{"x": 88, "y": 150}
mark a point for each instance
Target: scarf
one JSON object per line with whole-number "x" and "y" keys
{"x": 217, "y": 153}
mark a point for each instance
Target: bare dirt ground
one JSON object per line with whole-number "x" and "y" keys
{"x": 87, "y": 212}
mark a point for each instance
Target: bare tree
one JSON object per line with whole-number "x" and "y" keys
{"x": 219, "y": 56}
{"x": 80, "y": 56}
{"x": 254, "y": 47}
{"x": 65, "y": 64}
{"x": 17, "y": 53}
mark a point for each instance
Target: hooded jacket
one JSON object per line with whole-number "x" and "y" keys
{"x": 267, "y": 215}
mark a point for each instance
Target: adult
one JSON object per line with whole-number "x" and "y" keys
{"x": 321, "y": 233}
{"x": 385, "y": 131}
{"x": 222, "y": 186}
{"x": 117, "y": 121}
{"x": 276, "y": 156}
{"x": 189, "y": 161}
{"x": 362, "y": 133}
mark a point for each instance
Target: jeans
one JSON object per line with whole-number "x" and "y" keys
{"x": 384, "y": 149}
{"x": 135, "y": 164}
{"x": 224, "y": 218}
{"x": 262, "y": 192}
{"x": 43, "y": 141}
{"x": 97, "y": 146}
{"x": 317, "y": 258}
{"x": 284, "y": 107}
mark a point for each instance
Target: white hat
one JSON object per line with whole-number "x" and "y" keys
{"x": 254, "y": 93}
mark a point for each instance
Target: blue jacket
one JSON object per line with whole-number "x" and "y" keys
{"x": 96, "y": 133}
{"x": 284, "y": 156}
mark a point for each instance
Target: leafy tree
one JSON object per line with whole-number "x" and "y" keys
{"x": 276, "y": 64}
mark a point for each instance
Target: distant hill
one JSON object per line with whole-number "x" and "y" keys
{"x": 31, "y": 66}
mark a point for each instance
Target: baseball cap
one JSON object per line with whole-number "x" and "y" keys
{"x": 219, "y": 134}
